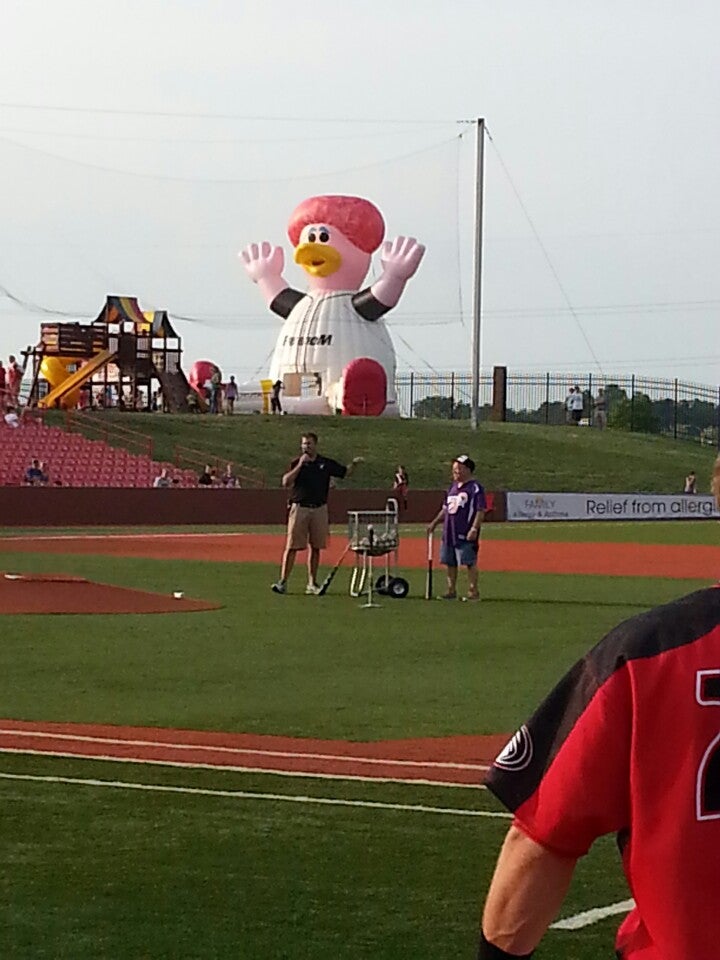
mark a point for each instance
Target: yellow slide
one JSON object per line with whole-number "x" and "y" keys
{"x": 63, "y": 389}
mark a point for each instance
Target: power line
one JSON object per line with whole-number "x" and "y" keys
{"x": 201, "y": 140}
{"x": 548, "y": 259}
{"x": 228, "y": 180}
{"x": 206, "y": 115}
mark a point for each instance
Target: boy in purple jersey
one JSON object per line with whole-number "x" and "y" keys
{"x": 626, "y": 743}
{"x": 462, "y": 513}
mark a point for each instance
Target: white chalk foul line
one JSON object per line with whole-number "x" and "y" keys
{"x": 233, "y": 768}
{"x": 249, "y": 795}
{"x": 285, "y": 754}
{"x": 595, "y": 915}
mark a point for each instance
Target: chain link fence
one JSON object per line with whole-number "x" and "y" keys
{"x": 676, "y": 408}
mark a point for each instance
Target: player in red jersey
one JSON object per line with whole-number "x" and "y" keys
{"x": 627, "y": 743}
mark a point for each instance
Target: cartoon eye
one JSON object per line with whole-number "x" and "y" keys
{"x": 324, "y": 235}
{"x": 312, "y": 237}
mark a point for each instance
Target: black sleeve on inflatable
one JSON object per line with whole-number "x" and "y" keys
{"x": 285, "y": 301}
{"x": 368, "y": 306}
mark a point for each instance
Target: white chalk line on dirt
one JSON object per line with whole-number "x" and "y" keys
{"x": 588, "y": 917}
{"x": 283, "y": 754}
{"x": 228, "y": 768}
{"x": 249, "y": 795}
{"x": 130, "y": 536}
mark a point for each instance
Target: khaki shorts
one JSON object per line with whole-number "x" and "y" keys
{"x": 307, "y": 523}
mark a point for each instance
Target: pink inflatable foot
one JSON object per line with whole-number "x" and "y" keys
{"x": 364, "y": 392}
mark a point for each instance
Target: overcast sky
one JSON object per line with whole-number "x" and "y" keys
{"x": 144, "y": 142}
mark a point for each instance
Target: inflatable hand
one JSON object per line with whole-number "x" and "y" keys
{"x": 401, "y": 257}
{"x": 264, "y": 265}
{"x": 263, "y": 261}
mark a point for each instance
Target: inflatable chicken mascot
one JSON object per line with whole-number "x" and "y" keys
{"x": 334, "y": 352}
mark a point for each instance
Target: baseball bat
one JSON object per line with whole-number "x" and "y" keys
{"x": 429, "y": 573}
{"x": 324, "y": 586}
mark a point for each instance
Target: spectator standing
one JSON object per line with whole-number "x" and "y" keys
{"x": 690, "y": 483}
{"x": 568, "y": 405}
{"x": 627, "y": 744}
{"x": 600, "y": 409}
{"x": 13, "y": 379}
{"x": 275, "y": 404}
{"x": 3, "y": 385}
{"x": 215, "y": 390}
{"x": 576, "y": 405}
{"x": 308, "y": 479}
{"x": 462, "y": 514}
{"x": 231, "y": 395}
{"x": 400, "y": 485}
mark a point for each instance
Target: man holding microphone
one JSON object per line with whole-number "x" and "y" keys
{"x": 308, "y": 478}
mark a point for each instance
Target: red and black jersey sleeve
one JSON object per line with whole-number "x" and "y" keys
{"x": 575, "y": 770}
{"x": 565, "y": 773}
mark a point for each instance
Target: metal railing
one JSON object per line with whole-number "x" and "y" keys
{"x": 93, "y": 428}
{"x": 192, "y": 458}
{"x": 677, "y": 408}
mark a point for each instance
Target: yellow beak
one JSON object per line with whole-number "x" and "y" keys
{"x": 319, "y": 259}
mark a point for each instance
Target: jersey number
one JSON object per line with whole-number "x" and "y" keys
{"x": 707, "y": 791}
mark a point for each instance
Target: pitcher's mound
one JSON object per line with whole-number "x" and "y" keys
{"x": 60, "y": 593}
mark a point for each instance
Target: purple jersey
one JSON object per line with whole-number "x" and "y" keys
{"x": 462, "y": 502}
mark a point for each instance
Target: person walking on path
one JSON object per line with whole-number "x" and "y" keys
{"x": 461, "y": 515}
{"x": 308, "y": 479}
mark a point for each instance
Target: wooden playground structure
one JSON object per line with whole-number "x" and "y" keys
{"x": 126, "y": 353}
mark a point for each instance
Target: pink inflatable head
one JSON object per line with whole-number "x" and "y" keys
{"x": 200, "y": 372}
{"x": 334, "y": 237}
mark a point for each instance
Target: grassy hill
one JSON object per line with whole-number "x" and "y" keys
{"x": 509, "y": 456}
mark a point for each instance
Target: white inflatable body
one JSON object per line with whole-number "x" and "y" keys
{"x": 323, "y": 333}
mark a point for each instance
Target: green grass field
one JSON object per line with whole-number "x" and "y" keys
{"x": 127, "y": 861}
{"x": 510, "y": 456}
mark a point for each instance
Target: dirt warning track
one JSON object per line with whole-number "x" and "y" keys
{"x": 602, "y": 559}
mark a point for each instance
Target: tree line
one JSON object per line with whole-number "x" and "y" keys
{"x": 687, "y": 419}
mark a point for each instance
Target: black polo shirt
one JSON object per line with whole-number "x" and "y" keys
{"x": 313, "y": 482}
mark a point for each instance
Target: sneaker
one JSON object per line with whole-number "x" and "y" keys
{"x": 472, "y": 596}
{"x": 448, "y": 596}
{"x": 312, "y": 589}
{"x": 279, "y": 587}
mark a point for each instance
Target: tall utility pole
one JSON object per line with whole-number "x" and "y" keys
{"x": 477, "y": 293}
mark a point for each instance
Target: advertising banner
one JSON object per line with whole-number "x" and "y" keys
{"x": 610, "y": 506}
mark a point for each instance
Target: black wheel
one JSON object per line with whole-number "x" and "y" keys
{"x": 382, "y": 583}
{"x": 398, "y": 588}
